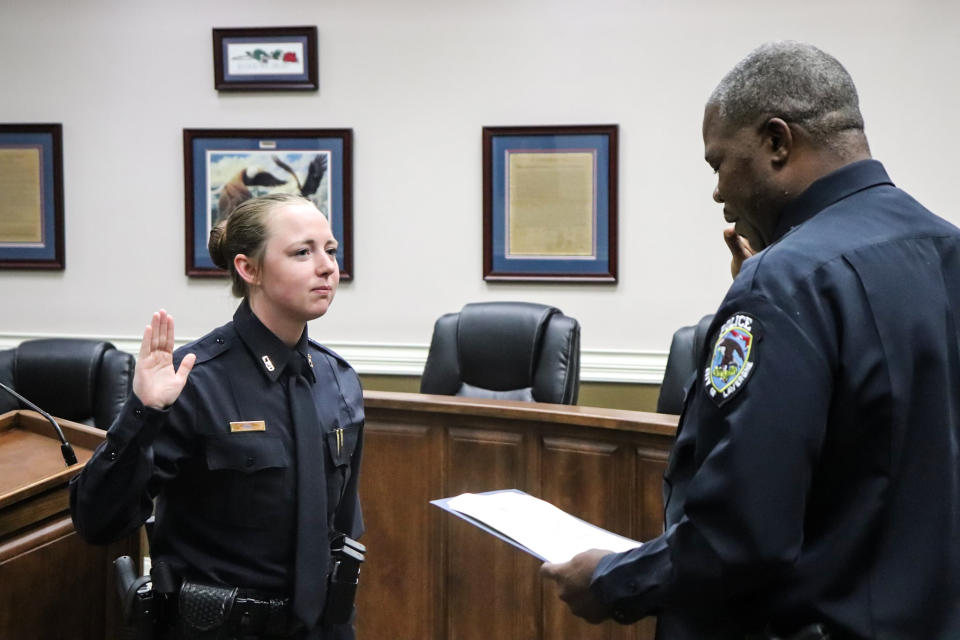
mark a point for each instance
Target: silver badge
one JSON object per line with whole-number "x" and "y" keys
{"x": 268, "y": 363}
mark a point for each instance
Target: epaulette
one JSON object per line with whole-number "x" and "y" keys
{"x": 206, "y": 348}
{"x": 328, "y": 351}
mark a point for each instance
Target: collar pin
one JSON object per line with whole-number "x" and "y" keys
{"x": 268, "y": 363}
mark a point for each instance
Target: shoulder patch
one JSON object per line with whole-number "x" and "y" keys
{"x": 733, "y": 360}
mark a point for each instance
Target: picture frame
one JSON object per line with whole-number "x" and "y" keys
{"x": 265, "y": 59}
{"x": 550, "y": 203}
{"x": 31, "y": 206}
{"x": 223, "y": 167}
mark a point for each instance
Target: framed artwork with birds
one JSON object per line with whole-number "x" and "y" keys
{"x": 265, "y": 59}
{"x": 224, "y": 167}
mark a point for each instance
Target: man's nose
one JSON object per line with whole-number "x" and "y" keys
{"x": 716, "y": 195}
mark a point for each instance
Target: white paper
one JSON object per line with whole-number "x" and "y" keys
{"x": 537, "y": 525}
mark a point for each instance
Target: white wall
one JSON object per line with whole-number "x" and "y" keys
{"x": 416, "y": 81}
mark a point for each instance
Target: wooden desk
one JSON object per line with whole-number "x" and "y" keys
{"x": 52, "y": 584}
{"x": 431, "y": 575}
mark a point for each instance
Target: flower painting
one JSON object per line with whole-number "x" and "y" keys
{"x": 265, "y": 59}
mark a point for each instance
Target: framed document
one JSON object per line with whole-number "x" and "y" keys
{"x": 224, "y": 167}
{"x": 265, "y": 59}
{"x": 31, "y": 196}
{"x": 550, "y": 203}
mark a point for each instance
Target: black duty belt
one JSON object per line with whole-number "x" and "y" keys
{"x": 202, "y": 609}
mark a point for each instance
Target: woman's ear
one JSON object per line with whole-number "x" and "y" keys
{"x": 247, "y": 269}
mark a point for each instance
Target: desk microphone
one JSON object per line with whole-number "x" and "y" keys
{"x": 68, "y": 455}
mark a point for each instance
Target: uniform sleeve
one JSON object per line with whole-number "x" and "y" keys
{"x": 741, "y": 525}
{"x": 113, "y": 494}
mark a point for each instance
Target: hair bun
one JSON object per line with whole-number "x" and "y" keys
{"x": 215, "y": 245}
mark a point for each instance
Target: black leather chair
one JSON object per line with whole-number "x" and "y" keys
{"x": 505, "y": 350}
{"x": 84, "y": 381}
{"x": 682, "y": 363}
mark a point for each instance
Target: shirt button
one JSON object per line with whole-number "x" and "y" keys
{"x": 619, "y": 615}
{"x": 250, "y": 461}
{"x": 112, "y": 455}
{"x": 138, "y": 413}
{"x": 219, "y": 340}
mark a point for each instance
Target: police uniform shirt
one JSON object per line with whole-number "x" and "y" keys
{"x": 815, "y": 474}
{"x": 221, "y": 461}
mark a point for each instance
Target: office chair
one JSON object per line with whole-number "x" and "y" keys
{"x": 686, "y": 349}
{"x": 505, "y": 350}
{"x": 84, "y": 381}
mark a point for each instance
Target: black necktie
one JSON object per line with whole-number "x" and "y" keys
{"x": 313, "y": 551}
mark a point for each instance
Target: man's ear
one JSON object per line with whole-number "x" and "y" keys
{"x": 247, "y": 269}
{"x": 778, "y": 141}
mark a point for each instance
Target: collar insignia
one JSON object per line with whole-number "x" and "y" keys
{"x": 268, "y": 363}
{"x": 734, "y": 358}
{"x": 310, "y": 360}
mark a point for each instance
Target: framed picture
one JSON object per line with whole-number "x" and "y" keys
{"x": 264, "y": 59}
{"x": 550, "y": 203}
{"x": 224, "y": 167}
{"x": 31, "y": 196}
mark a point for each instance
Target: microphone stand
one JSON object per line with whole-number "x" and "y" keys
{"x": 65, "y": 449}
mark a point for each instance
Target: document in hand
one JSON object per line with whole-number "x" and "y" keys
{"x": 531, "y": 524}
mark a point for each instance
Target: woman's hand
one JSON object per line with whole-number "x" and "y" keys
{"x": 155, "y": 382}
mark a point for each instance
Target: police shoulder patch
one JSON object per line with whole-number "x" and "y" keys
{"x": 734, "y": 357}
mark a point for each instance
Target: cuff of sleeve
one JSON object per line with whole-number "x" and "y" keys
{"x": 629, "y": 582}
{"x": 136, "y": 423}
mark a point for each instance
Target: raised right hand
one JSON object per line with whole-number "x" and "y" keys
{"x": 155, "y": 382}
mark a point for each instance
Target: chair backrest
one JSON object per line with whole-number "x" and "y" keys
{"x": 505, "y": 350}
{"x": 686, "y": 349}
{"x": 85, "y": 381}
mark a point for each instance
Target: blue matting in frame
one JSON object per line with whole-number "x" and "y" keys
{"x": 46, "y": 249}
{"x": 201, "y": 188}
{"x": 595, "y": 265}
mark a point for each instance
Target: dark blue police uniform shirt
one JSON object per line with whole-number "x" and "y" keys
{"x": 225, "y": 495}
{"x": 816, "y": 471}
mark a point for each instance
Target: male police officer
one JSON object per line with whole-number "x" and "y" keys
{"x": 814, "y": 487}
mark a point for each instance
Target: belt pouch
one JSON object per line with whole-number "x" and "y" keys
{"x": 203, "y": 610}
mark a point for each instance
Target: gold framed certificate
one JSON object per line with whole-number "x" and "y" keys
{"x": 31, "y": 196}
{"x": 550, "y": 203}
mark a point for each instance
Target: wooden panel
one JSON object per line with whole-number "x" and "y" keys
{"x": 399, "y": 478}
{"x": 483, "y": 460}
{"x": 581, "y": 476}
{"x": 445, "y": 579}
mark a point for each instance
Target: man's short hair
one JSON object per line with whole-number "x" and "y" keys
{"x": 794, "y": 81}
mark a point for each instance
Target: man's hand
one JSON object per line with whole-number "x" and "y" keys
{"x": 155, "y": 382}
{"x": 573, "y": 584}
{"x": 739, "y": 247}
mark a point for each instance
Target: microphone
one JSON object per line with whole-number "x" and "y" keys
{"x": 68, "y": 455}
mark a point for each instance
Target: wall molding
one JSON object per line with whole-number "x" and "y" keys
{"x": 375, "y": 358}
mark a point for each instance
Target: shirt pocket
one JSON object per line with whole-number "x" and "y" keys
{"x": 341, "y": 444}
{"x": 249, "y": 477}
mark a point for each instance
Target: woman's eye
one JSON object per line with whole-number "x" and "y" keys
{"x": 332, "y": 253}
{"x": 302, "y": 252}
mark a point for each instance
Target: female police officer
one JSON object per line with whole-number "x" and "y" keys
{"x": 252, "y": 460}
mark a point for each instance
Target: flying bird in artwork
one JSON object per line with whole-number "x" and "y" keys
{"x": 236, "y": 190}
{"x": 315, "y": 173}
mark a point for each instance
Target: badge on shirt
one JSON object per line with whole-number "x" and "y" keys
{"x": 248, "y": 425}
{"x": 734, "y": 358}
